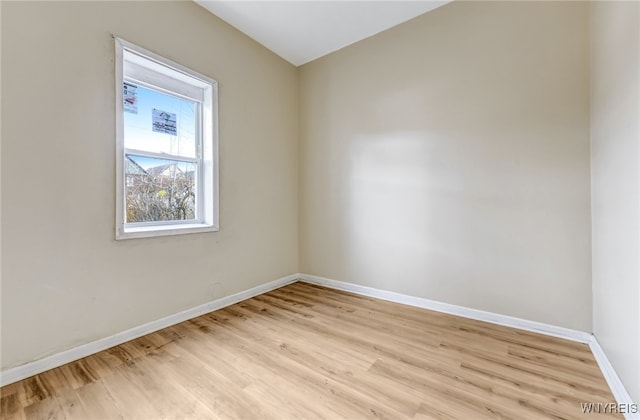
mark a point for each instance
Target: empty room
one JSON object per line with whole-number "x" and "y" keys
{"x": 320, "y": 209}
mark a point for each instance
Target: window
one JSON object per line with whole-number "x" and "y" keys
{"x": 167, "y": 163}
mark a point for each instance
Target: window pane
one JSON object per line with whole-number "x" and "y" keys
{"x": 159, "y": 189}
{"x": 159, "y": 123}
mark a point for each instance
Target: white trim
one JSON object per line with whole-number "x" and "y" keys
{"x": 166, "y": 229}
{"x": 158, "y": 76}
{"x": 32, "y": 368}
{"x": 620, "y": 393}
{"x": 161, "y": 62}
{"x": 509, "y": 321}
{"x": 132, "y": 63}
{"x": 156, "y": 155}
{"x": 120, "y": 163}
{"x": 613, "y": 380}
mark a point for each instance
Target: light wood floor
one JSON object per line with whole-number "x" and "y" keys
{"x": 308, "y": 352}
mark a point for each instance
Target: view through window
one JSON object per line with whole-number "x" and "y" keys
{"x": 167, "y": 146}
{"x": 161, "y": 164}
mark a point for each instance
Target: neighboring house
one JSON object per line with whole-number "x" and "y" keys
{"x": 134, "y": 172}
{"x": 163, "y": 192}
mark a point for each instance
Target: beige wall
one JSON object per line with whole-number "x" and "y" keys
{"x": 65, "y": 280}
{"x": 448, "y": 158}
{"x": 615, "y": 157}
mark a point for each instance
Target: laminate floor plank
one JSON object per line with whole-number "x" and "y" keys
{"x": 415, "y": 332}
{"x": 97, "y": 402}
{"x": 307, "y": 352}
{"x": 298, "y": 367}
{"x": 347, "y": 369}
{"x": 48, "y": 409}
{"x": 71, "y": 405}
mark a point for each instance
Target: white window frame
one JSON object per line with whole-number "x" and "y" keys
{"x": 151, "y": 70}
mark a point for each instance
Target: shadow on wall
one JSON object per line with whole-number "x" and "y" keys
{"x": 424, "y": 212}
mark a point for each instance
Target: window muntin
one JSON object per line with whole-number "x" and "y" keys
{"x": 166, "y": 148}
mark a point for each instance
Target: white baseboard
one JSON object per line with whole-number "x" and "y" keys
{"x": 509, "y": 321}
{"x": 613, "y": 380}
{"x": 32, "y": 368}
{"x": 37, "y": 366}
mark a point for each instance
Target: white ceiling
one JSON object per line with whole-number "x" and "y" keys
{"x": 302, "y": 30}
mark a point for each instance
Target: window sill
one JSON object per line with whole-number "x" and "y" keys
{"x": 163, "y": 230}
